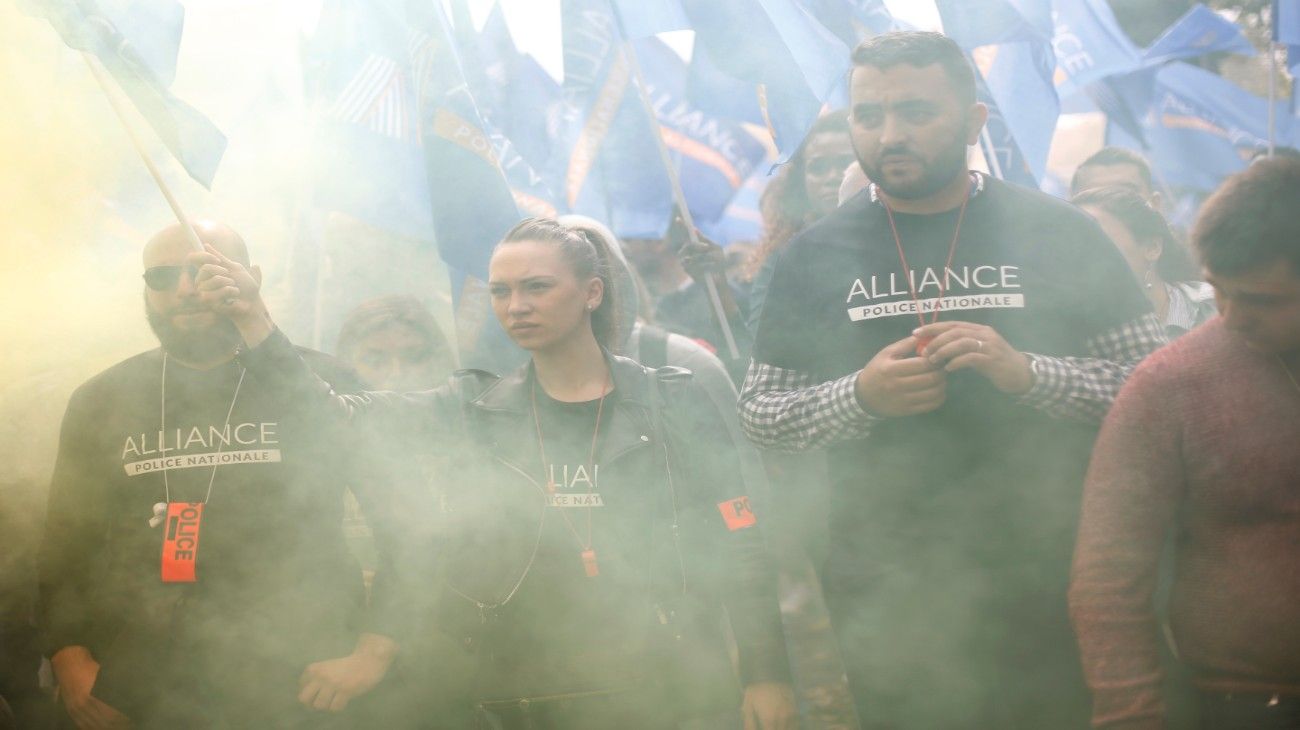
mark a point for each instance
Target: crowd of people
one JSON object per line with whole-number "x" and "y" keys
{"x": 1034, "y": 460}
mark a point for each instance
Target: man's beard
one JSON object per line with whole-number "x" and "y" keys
{"x": 950, "y": 163}
{"x": 200, "y": 345}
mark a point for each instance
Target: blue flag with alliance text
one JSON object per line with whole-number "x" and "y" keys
{"x": 713, "y": 156}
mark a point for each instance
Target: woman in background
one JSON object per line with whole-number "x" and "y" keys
{"x": 805, "y": 189}
{"x": 1160, "y": 262}
{"x": 394, "y": 343}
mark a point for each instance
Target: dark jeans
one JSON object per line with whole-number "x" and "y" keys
{"x": 1220, "y": 711}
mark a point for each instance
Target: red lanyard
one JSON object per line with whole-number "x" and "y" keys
{"x": 921, "y": 342}
{"x": 588, "y": 554}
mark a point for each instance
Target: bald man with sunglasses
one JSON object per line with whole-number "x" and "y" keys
{"x": 193, "y": 571}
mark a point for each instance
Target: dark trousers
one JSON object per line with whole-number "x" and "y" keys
{"x": 1221, "y": 711}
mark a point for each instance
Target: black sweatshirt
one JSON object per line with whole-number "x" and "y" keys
{"x": 276, "y": 585}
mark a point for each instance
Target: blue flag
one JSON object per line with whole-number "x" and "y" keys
{"x": 742, "y": 219}
{"x": 137, "y": 41}
{"x": 644, "y": 18}
{"x": 1089, "y": 46}
{"x": 793, "y": 63}
{"x": 367, "y": 160}
{"x": 1010, "y": 44}
{"x": 1198, "y": 32}
{"x": 605, "y": 161}
{"x": 714, "y": 156}
{"x": 473, "y": 206}
{"x": 1202, "y": 128}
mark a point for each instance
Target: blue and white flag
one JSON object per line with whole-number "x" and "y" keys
{"x": 137, "y": 41}
{"x": 1089, "y": 46}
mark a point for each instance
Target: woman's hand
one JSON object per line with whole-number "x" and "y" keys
{"x": 769, "y": 706}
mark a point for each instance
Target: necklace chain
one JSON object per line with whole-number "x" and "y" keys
{"x": 162, "y": 431}
{"x": 591, "y": 460}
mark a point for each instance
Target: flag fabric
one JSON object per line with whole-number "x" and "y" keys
{"x": 605, "y": 162}
{"x": 516, "y": 101}
{"x": 792, "y": 62}
{"x": 367, "y": 160}
{"x": 1198, "y": 32}
{"x": 1009, "y": 42}
{"x": 401, "y": 144}
{"x": 473, "y": 206}
{"x": 137, "y": 42}
{"x": 1089, "y": 46}
{"x": 713, "y": 156}
{"x": 1201, "y": 128}
{"x": 645, "y": 18}
{"x": 742, "y": 219}
{"x": 975, "y": 23}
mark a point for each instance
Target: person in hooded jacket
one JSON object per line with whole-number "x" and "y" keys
{"x": 594, "y": 522}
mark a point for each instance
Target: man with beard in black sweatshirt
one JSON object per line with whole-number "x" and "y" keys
{"x": 193, "y": 571}
{"x": 952, "y": 341}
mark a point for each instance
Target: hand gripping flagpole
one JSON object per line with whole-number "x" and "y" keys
{"x": 674, "y": 182}
{"x": 120, "y": 109}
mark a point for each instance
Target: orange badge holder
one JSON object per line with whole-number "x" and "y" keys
{"x": 180, "y": 550}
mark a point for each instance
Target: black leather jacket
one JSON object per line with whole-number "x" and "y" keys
{"x": 665, "y": 438}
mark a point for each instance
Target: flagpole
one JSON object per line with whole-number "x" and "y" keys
{"x": 107, "y": 86}
{"x": 674, "y": 182}
{"x": 1272, "y": 92}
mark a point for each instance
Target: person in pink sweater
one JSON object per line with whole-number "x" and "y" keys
{"x": 1204, "y": 443}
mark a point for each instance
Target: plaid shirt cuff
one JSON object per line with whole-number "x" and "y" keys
{"x": 845, "y": 408}
{"x": 787, "y": 410}
{"x": 1083, "y": 388}
{"x": 1051, "y": 380}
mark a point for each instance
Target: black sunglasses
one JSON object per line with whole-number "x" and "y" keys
{"x": 163, "y": 278}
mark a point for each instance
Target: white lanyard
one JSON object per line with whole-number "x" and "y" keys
{"x": 162, "y": 430}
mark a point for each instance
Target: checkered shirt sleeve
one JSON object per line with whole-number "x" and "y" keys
{"x": 784, "y": 410}
{"x": 1083, "y": 388}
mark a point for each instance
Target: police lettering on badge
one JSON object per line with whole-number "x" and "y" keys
{"x": 737, "y": 513}
{"x": 181, "y": 542}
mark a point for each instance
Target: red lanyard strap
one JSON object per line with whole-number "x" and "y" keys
{"x": 907, "y": 270}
